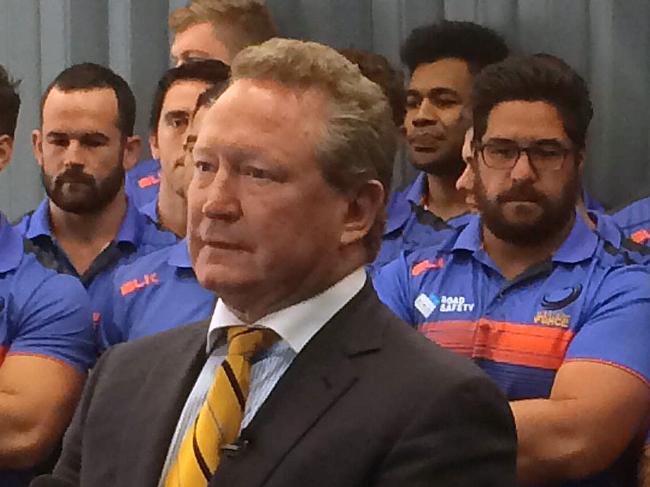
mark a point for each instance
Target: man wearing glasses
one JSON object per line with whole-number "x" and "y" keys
{"x": 530, "y": 293}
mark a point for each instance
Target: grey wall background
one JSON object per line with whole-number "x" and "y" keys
{"x": 607, "y": 41}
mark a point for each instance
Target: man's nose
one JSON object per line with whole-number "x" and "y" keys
{"x": 73, "y": 156}
{"x": 426, "y": 114}
{"x": 222, "y": 201}
{"x": 523, "y": 168}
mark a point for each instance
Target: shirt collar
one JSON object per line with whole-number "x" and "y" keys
{"x": 402, "y": 206}
{"x": 606, "y": 228}
{"x": 130, "y": 230}
{"x": 470, "y": 237}
{"x": 39, "y": 222}
{"x": 11, "y": 243}
{"x": 150, "y": 209}
{"x": 578, "y": 246}
{"x": 179, "y": 255}
{"x": 296, "y": 324}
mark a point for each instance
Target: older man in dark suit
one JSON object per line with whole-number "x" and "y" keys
{"x": 301, "y": 377}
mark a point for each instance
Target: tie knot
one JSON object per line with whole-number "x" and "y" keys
{"x": 247, "y": 341}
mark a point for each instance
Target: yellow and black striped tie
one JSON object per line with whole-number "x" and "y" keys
{"x": 220, "y": 417}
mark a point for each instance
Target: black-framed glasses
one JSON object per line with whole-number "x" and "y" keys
{"x": 543, "y": 156}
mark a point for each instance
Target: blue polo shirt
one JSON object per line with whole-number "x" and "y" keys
{"x": 581, "y": 304}
{"x": 142, "y": 182}
{"x": 634, "y": 220}
{"x": 410, "y": 226}
{"x": 155, "y": 293}
{"x": 42, "y": 314}
{"x": 137, "y": 236}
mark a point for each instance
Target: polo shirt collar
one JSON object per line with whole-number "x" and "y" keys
{"x": 580, "y": 244}
{"x": 404, "y": 202}
{"x": 39, "y": 222}
{"x": 11, "y": 243}
{"x": 179, "y": 255}
{"x": 130, "y": 230}
{"x": 150, "y": 209}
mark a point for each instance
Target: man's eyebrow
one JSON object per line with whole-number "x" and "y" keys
{"x": 173, "y": 114}
{"x": 76, "y": 135}
{"x": 441, "y": 91}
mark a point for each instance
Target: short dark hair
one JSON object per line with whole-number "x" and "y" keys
{"x": 377, "y": 69}
{"x": 540, "y": 77}
{"x": 210, "y": 71}
{"x": 475, "y": 44}
{"x": 91, "y": 76}
{"x": 9, "y": 103}
{"x": 209, "y": 96}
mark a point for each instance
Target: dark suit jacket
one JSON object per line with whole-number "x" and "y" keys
{"x": 368, "y": 402}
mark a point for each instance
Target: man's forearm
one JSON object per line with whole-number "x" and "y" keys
{"x": 558, "y": 441}
{"x": 19, "y": 445}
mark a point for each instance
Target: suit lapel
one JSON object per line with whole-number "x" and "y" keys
{"x": 157, "y": 405}
{"x": 319, "y": 376}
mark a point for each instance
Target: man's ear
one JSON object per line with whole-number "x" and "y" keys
{"x": 6, "y": 150}
{"x": 153, "y": 146}
{"x": 132, "y": 149}
{"x": 37, "y": 146}
{"x": 363, "y": 209}
{"x": 580, "y": 161}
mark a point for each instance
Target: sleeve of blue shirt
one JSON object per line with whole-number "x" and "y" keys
{"x": 617, "y": 331}
{"x": 392, "y": 285}
{"x": 55, "y": 321}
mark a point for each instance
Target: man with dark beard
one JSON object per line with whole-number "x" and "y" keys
{"x": 443, "y": 60}
{"x": 530, "y": 293}
{"x": 86, "y": 226}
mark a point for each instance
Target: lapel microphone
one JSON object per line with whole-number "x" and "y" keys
{"x": 236, "y": 448}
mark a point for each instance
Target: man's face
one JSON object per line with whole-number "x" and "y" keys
{"x": 80, "y": 149}
{"x": 465, "y": 182}
{"x": 262, "y": 219}
{"x": 198, "y": 42}
{"x": 190, "y": 141}
{"x": 526, "y": 204}
{"x": 167, "y": 143}
{"x": 437, "y": 115}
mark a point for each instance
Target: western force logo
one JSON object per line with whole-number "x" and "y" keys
{"x": 555, "y": 319}
{"x": 426, "y": 305}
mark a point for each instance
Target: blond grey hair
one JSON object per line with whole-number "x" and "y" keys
{"x": 360, "y": 137}
{"x": 240, "y": 23}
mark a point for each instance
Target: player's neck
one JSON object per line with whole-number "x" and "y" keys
{"x": 172, "y": 210}
{"x": 512, "y": 259}
{"x": 443, "y": 199}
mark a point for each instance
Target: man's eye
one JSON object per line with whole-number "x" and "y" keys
{"x": 412, "y": 102}
{"x": 445, "y": 102}
{"x": 59, "y": 142}
{"x": 203, "y": 166}
{"x": 178, "y": 123}
{"x": 256, "y": 173}
{"x": 547, "y": 152}
{"x": 502, "y": 152}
